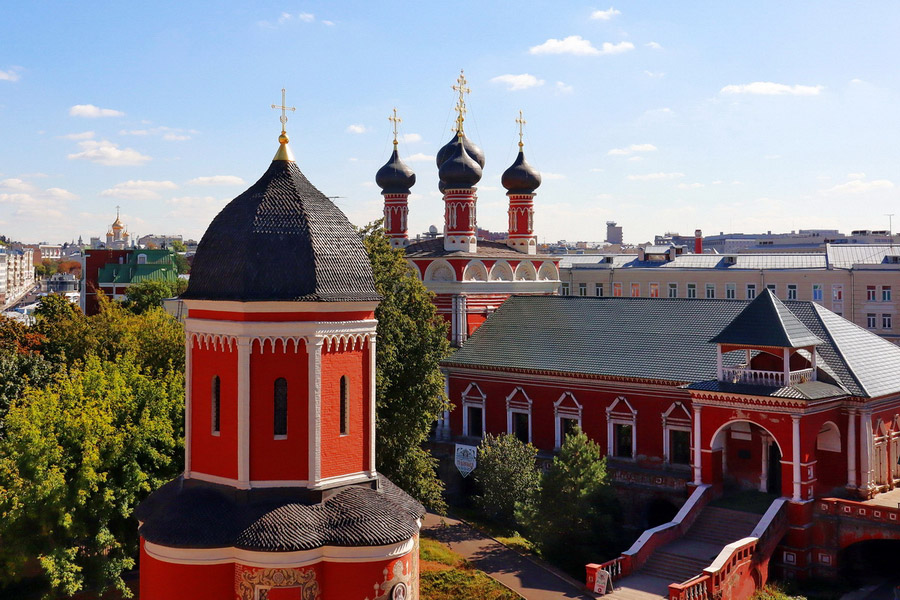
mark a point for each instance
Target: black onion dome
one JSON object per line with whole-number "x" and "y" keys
{"x": 520, "y": 177}
{"x": 474, "y": 151}
{"x": 282, "y": 239}
{"x": 459, "y": 169}
{"x": 395, "y": 177}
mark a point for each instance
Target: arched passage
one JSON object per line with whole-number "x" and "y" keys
{"x": 747, "y": 456}
{"x": 870, "y": 561}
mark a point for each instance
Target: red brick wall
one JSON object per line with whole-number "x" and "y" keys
{"x": 345, "y": 454}
{"x": 214, "y": 454}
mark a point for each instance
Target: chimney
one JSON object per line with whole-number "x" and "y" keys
{"x": 698, "y": 241}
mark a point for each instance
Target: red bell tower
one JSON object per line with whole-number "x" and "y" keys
{"x": 280, "y": 497}
{"x": 520, "y": 181}
{"x": 395, "y": 180}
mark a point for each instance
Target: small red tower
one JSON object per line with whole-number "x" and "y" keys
{"x": 395, "y": 180}
{"x": 280, "y": 498}
{"x": 520, "y": 181}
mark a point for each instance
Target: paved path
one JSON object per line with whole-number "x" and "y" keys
{"x": 527, "y": 577}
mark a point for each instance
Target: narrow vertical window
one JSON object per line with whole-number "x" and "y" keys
{"x": 216, "y": 402}
{"x": 345, "y": 406}
{"x": 280, "y": 427}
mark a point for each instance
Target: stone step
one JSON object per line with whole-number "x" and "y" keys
{"x": 673, "y": 567}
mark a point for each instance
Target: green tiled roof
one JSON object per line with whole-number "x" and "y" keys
{"x": 663, "y": 339}
{"x": 766, "y": 321}
{"x": 159, "y": 266}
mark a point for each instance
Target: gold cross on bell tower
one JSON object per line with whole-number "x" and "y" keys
{"x": 284, "y": 110}
{"x": 395, "y": 120}
{"x": 461, "y": 103}
{"x": 521, "y": 123}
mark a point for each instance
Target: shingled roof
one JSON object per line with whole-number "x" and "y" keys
{"x": 662, "y": 339}
{"x": 766, "y": 321}
{"x": 282, "y": 239}
{"x": 188, "y": 513}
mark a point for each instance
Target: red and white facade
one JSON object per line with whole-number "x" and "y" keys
{"x": 396, "y": 211}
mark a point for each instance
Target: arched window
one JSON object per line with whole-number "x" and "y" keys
{"x": 345, "y": 405}
{"x": 281, "y": 407}
{"x": 216, "y": 402}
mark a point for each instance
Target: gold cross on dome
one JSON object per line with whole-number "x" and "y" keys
{"x": 521, "y": 123}
{"x": 395, "y": 120}
{"x": 461, "y": 103}
{"x": 284, "y": 110}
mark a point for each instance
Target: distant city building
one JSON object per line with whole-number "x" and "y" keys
{"x": 159, "y": 241}
{"x": 117, "y": 238}
{"x": 60, "y": 283}
{"x": 613, "y": 233}
{"x": 16, "y": 274}
{"x": 113, "y": 271}
{"x": 860, "y": 282}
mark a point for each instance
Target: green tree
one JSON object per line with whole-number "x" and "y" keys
{"x": 576, "y": 517}
{"x": 506, "y": 476}
{"x": 143, "y": 296}
{"x": 177, "y": 246}
{"x": 77, "y": 457}
{"x": 412, "y": 340}
{"x": 182, "y": 264}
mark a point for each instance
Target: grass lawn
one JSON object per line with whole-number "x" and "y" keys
{"x": 445, "y": 575}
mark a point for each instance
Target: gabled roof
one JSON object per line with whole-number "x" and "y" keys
{"x": 766, "y": 321}
{"x": 282, "y": 239}
{"x": 663, "y": 339}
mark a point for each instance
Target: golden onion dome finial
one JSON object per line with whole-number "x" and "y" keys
{"x": 284, "y": 151}
{"x": 521, "y": 121}
{"x": 395, "y": 120}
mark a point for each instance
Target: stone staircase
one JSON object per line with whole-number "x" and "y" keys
{"x": 687, "y": 556}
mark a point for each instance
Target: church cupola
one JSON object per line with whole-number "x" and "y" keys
{"x": 279, "y": 414}
{"x": 459, "y": 172}
{"x": 395, "y": 180}
{"x": 520, "y": 181}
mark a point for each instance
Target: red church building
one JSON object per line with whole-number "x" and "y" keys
{"x": 280, "y": 498}
{"x": 470, "y": 277}
{"x": 700, "y": 398}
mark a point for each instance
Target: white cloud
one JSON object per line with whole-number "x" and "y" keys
{"x": 27, "y": 200}
{"x": 171, "y": 134}
{"x": 654, "y": 45}
{"x": 655, "y": 176}
{"x": 419, "y": 157}
{"x": 356, "y": 128}
{"x": 619, "y": 48}
{"x": 635, "y": 158}
{"x": 605, "y": 15}
{"x": 858, "y": 186}
{"x": 10, "y": 75}
{"x": 16, "y": 185}
{"x": 217, "y": 180}
{"x": 84, "y": 135}
{"x": 134, "y": 132}
{"x": 175, "y": 137}
{"x": 856, "y": 80}
{"x": 653, "y": 75}
{"x": 632, "y": 149}
{"x": 767, "y": 88}
{"x": 92, "y": 112}
{"x": 689, "y": 186}
{"x": 306, "y": 17}
{"x": 329, "y": 23}
{"x": 518, "y": 82}
{"x": 138, "y": 189}
{"x": 551, "y": 176}
{"x": 410, "y": 138}
{"x": 856, "y": 175}
{"x": 563, "y": 88}
{"x": 574, "y": 44}
{"x": 107, "y": 153}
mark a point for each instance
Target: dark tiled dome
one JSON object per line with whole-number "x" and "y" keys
{"x": 520, "y": 177}
{"x": 282, "y": 239}
{"x": 472, "y": 150}
{"x": 459, "y": 170}
{"x": 395, "y": 177}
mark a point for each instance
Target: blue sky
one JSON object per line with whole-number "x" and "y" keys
{"x": 663, "y": 116}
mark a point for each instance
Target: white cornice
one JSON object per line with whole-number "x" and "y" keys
{"x": 278, "y": 307}
{"x": 279, "y": 328}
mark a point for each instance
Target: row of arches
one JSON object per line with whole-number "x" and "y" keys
{"x": 501, "y": 270}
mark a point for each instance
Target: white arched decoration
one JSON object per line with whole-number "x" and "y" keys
{"x": 414, "y": 268}
{"x": 621, "y": 421}
{"x": 881, "y": 467}
{"x": 518, "y": 402}
{"x": 566, "y": 408}
{"x": 501, "y": 271}
{"x": 475, "y": 271}
{"x": 829, "y": 438}
{"x": 440, "y": 270}
{"x": 473, "y": 407}
{"x": 526, "y": 271}
{"x": 548, "y": 272}
{"x": 676, "y": 421}
{"x": 741, "y": 427}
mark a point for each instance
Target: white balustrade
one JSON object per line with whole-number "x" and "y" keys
{"x": 741, "y": 374}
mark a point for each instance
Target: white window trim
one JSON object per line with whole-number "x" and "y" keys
{"x": 650, "y": 289}
{"x": 669, "y": 288}
{"x": 565, "y": 412}
{"x": 687, "y": 290}
{"x": 676, "y": 418}
{"x": 621, "y": 418}
{"x": 514, "y": 405}
{"x": 475, "y": 399}
{"x": 733, "y": 289}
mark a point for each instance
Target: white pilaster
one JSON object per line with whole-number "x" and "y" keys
{"x": 764, "y": 467}
{"x": 188, "y": 362}
{"x": 795, "y": 422}
{"x": 865, "y": 451}
{"x": 851, "y": 449}
{"x": 720, "y": 375}
{"x": 244, "y": 346}
{"x": 314, "y": 350}
{"x": 372, "y": 396}
{"x": 698, "y": 469}
{"x": 787, "y": 367}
